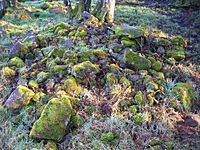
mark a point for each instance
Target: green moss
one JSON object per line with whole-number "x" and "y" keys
{"x": 171, "y": 61}
{"x": 152, "y": 87}
{"x": 164, "y": 42}
{"x": 60, "y": 69}
{"x": 109, "y": 137}
{"x": 33, "y": 83}
{"x": 50, "y": 146}
{"x": 42, "y": 76}
{"x": 135, "y": 61}
{"x": 176, "y": 54}
{"x": 139, "y": 98}
{"x": 185, "y": 93}
{"x": 133, "y": 109}
{"x": 52, "y": 124}
{"x": 84, "y": 69}
{"x": 111, "y": 79}
{"x": 157, "y": 65}
{"x": 37, "y": 97}
{"x": 18, "y": 62}
{"x": 8, "y": 72}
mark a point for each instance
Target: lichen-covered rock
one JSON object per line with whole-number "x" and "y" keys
{"x": 8, "y": 72}
{"x": 135, "y": 61}
{"x": 157, "y": 66}
{"x": 42, "y": 76}
{"x": 84, "y": 69}
{"x": 18, "y": 62}
{"x": 185, "y": 93}
{"x": 176, "y": 54}
{"x": 129, "y": 32}
{"x": 53, "y": 122}
{"x": 19, "y": 97}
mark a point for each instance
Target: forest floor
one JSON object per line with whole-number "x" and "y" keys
{"x": 152, "y": 103}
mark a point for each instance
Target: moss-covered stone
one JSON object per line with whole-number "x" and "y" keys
{"x": 60, "y": 69}
{"x": 100, "y": 54}
{"x": 71, "y": 86}
{"x": 129, "y": 32}
{"x": 111, "y": 79}
{"x": 128, "y": 43}
{"x": 114, "y": 68}
{"x": 138, "y": 118}
{"x": 135, "y": 61}
{"x": 85, "y": 56}
{"x": 42, "y": 76}
{"x": 133, "y": 109}
{"x": 109, "y": 137}
{"x": 76, "y": 121}
{"x": 124, "y": 81}
{"x": 52, "y": 124}
{"x": 41, "y": 40}
{"x": 157, "y": 65}
{"x": 185, "y": 93}
{"x": 8, "y": 72}
{"x": 18, "y": 62}
{"x": 139, "y": 98}
{"x": 84, "y": 69}
{"x": 19, "y": 97}
{"x": 176, "y": 54}
{"x": 33, "y": 84}
{"x": 179, "y": 41}
{"x": 37, "y": 97}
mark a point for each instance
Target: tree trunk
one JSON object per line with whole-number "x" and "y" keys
{"x": 104, "y": 10}
{"x": 81, "y": 6}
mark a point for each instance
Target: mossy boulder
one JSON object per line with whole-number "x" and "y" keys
{"x": 42, "y": 76}
{"x": 135, "y": 61}
{"x": 185, "y": 93}
{"x": 157, "y": 66}
{"x": 18, "y": 62}
{"x": 130, "y": 32}
{"x": 19, "y": 97}
{"x": 53, "y": 122}
{"x": 84, "y": 69}
{"x": 176, "y": 54}
{"x": 8, "y": 72}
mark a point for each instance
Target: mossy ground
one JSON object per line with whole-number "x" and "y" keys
{"x": 109, "y": 115}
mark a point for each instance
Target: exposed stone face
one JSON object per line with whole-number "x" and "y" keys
{"x": 19, "y": 97}
{"x": 53, "y": 122}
